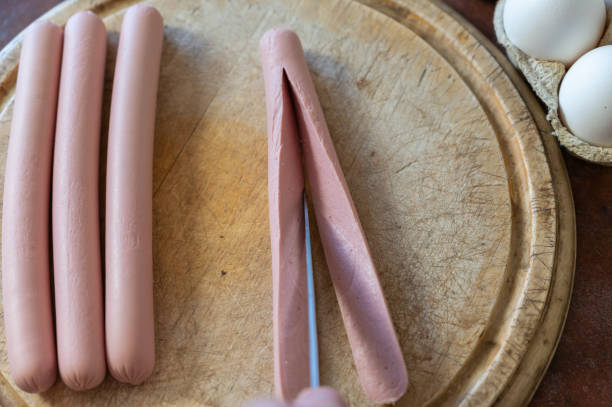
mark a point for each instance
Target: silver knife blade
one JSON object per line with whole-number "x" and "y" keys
{"x": 313, "y": 345}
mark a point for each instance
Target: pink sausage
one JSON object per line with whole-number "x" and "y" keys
{"x": 25, "y": 218}
{"x": 130, "y": 342}
{"x": 285, "y": 201}
{"x": 376, "y": 351}
{"x": 76, "y": 235}
{"x": 309, "y": 397}
{"x": 319, "y": 397}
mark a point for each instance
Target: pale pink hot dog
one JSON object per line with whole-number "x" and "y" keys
{"x": 25, "y": 218}
{"x": 310, "y": 397}
{"x": 130, "y": 341}
{"x": 285, "y": 196}
{"x": 319, "y": 397}
{"x": 76, "y": 235}
{"x": 370, "y": 331}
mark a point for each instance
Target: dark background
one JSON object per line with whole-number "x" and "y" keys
{"x": 581, "y": 371}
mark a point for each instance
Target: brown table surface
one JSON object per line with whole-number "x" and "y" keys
{"x": 581, "y": 371}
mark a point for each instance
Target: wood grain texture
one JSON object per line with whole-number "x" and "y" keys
{"x": 580, "y": 373}
{"x": 466, "y": 208}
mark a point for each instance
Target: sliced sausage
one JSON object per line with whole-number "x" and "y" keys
{"x": 319, "y": 397}
{"x": 378, "y": 356}
{"x": 285, "y": 201}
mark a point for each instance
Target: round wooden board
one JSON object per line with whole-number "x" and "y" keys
{"x": 460, "y": 188}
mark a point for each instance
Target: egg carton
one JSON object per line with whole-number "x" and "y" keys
{"x": 545, "y": 77}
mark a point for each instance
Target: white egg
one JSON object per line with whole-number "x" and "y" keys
{"x": 585, "y": 97}
{"x": 557, "y": 30}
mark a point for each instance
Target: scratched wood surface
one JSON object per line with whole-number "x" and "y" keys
{"x": 466, "y": 206}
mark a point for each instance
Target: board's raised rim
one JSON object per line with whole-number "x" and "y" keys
{"x": 517, "y": 390}
{"x": 556, "y": 313}
{"x": 565, "y": 216}
{"x": 567, "y": 219}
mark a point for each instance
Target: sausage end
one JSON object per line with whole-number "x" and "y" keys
{"x": 46, "y": 27}
{"x": 276, "y": 38}
{"x": 319, "y": 396}
{"x": 84, "y": 377}
{"x": 388, "y": 392}
{"x": 35, "y": 377}
{"x": 86, "y": 19}
{"x": 144, "y": 11}
{"x": 133, "y": 370}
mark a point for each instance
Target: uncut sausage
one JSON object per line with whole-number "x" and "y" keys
{"x": 76, "y": 235}
{"x": 130, "y": 341}
{"x": 25, "y": 218}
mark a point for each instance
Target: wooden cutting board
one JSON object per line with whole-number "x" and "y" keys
{"x": 458, "y": 182}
